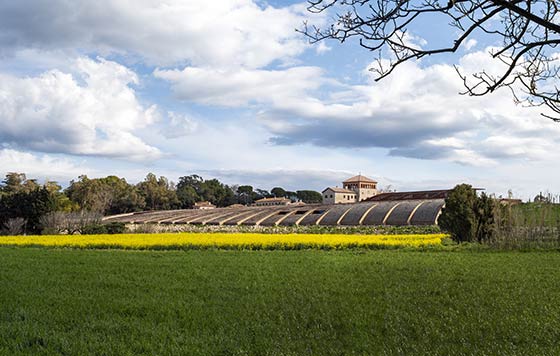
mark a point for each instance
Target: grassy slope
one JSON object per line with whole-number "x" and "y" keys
{"x": 278, "y": 303}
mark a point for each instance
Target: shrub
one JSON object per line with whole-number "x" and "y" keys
{"x": 15, "y": 226}
{"x": 115, "y": 228}
{"x": 94, "y": 229}
{"x": 457, "y": 217}
{"x": 466, "y": 217}
{"x": 111, "y": 228}
{"x": 69, "y": 223}
{"x": 484, "y": 211}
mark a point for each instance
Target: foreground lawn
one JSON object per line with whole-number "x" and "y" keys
{"x": 216, "y": 302}
{"x": 238, "y": 241}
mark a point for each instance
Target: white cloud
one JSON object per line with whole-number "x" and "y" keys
{"x": 417, "y": 112}
{"x": 471, "y": 42}
{"x": 296, "y": 179}
{"x": 179, "y": 125}
{"x": 241, "y": 87}
{"x": 206, "y": 33}
{"x": 322, "y": 48}
{"x": 40, "y": 166}
{"x": 92, "y": 111}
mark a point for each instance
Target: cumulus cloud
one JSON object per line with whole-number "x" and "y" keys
{"x": 287, "y": 178}
{"x": 417, "y": 112}
{"x": 322, "y": 48}
{"x": 90, "y": 110}
{"x": 40, "y": 166}
{"x": 216, "y": 33}
{"x": 471, "y": 42}
{"x": 179, "y": 125}
{"x": 241, "y": 87}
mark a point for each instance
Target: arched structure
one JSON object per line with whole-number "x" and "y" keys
{"x": 392, "y": 212}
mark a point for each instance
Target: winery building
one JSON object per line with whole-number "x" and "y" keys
{"x": 355, "y": 189}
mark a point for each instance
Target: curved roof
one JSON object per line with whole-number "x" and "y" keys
{"x": 415, "y": 195}
{"x": 396, "y": 212}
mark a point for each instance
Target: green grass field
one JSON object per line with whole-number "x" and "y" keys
{"x": 213, "y": 302}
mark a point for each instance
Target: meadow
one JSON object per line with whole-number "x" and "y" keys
{"x": 61, "y": 301}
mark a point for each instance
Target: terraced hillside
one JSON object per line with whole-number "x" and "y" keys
{"x": 403, "y": 212}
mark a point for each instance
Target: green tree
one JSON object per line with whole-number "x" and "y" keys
{"x": 291, "y": 195}
{"x": 261, "y": 193}
{"x": 124, "y": 197}
{"x": 466, "y": 217}
{"x": 245, "y": 194}
{"x": 484, "y": 211}
{"x": 89, "y": 194}
{"x": 109, "y": 195}
{"x": 309, "y": 196}
{"x": 187, "y": 196}
{"x": 29, "y": 205}
{"x": 188, "y": 190}
{"x": 62, "y": 202}
{"x": 278, "y": 192}
{"x": 216, "y": 193}
{"x": 193, "y": 188}
{"x": 457, "y": 217}
{"x": 158, "y": 193}
{"x": 17, "y": 182}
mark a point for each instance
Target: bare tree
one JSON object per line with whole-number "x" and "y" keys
{"x": 54, "y": 222}
{"x": 528, "y": 30}
{"x": 69, "y": 223}
{"x": 15, "y": 226}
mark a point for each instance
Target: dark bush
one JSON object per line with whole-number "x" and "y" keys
{"x": 94, "y": 230}
{"x": 457, "y": 217}
{"x": 115, "y": 228}
{"x": 484, "y": 211}
{"x": 111, "y": 228}
{"x": 466, "y": 217}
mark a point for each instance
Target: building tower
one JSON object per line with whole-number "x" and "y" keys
{"x": 363, "y": 186}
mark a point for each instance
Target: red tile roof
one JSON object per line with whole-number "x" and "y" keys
{"x": 340, "y": 190}
{"x": 359, "y": 179}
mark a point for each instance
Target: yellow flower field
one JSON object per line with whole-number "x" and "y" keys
{"x": 249, "y": 241}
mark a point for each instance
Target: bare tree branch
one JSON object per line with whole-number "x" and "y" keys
{"x": 529, "y": 31}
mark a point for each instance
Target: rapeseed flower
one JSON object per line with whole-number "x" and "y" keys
{"x": 248, "y": 241}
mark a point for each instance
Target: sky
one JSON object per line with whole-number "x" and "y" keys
{"x": 228, "y": 89}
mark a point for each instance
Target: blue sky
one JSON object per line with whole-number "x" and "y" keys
{"x": 227, "y": 89}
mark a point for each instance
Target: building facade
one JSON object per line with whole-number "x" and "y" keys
{"x": 363, "y": 186}
{"x": 203, "y": 205}
{"x": 355, "y": 189}
{"x": 272, "y": 201}
{"x": 338, "y": 196}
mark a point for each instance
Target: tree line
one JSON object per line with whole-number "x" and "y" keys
{"x": 470, "y": 217}
{"x": 25, "y": 202}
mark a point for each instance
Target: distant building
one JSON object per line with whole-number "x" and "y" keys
{"x": 235, "y": 206}
{"x": 272, "y": 201}
{"x": 204, "y": 205}
{"x": 510, "y": 201}
{"x": 353, "y": 190}
{"x": 338, "y": 196}
{"x": 363, "y": 186}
